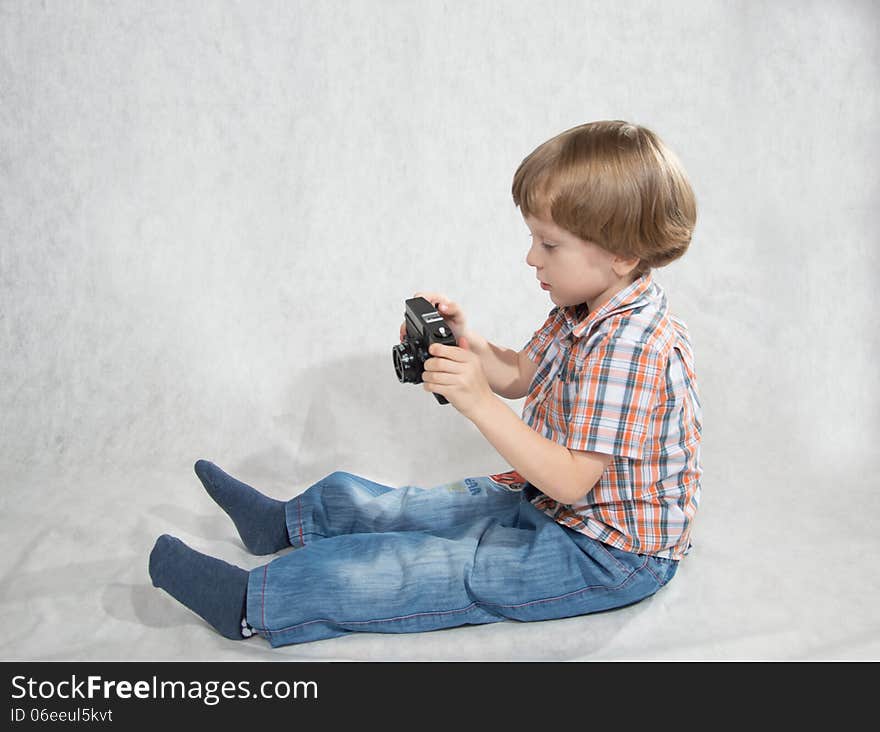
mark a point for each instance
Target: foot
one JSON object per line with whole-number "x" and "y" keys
{"x": 211, "y": 588}
{"x": 260, "y": 520}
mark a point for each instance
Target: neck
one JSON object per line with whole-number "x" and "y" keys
{"x": 605, "y": 296}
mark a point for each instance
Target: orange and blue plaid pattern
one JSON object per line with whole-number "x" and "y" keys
{"x": 621, "y": 381}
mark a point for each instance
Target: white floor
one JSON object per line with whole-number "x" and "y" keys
{"x": 74, "y": 563}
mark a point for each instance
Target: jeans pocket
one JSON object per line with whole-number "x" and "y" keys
{"x": 619, "y": 564}
{"x": 662, "y": 569}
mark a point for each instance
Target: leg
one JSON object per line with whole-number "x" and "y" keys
{"x": 482, "y": 571}
{"x": 343, "y": 503}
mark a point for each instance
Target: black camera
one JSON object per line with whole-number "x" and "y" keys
{"x": 424, "y": 326}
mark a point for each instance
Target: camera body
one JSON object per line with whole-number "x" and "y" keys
{"x": 424, "y": 326}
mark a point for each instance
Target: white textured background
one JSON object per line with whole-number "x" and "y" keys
{"x": 211, "y": 213}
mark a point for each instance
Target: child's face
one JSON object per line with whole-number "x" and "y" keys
{"x": 577, "y": 271}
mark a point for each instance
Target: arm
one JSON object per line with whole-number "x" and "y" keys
{"x": 564, "y": 475}
{"x": 509, "y": 373}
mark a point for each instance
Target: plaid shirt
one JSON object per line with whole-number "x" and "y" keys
{"x": 621, "y": 381}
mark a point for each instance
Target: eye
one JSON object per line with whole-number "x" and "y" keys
{"x": 544, "y": 243}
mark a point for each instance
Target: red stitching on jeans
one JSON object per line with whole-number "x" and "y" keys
{"x": 378, "y": 620}
{"x": 263, "y": 600}
{"x": 299, "y": 507}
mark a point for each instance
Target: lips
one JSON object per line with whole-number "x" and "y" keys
{"x": 544, "y": 285}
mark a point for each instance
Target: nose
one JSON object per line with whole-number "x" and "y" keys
{"x": 531, "y": 257}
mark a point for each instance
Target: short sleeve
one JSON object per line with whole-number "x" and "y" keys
{"x": 537, "y": 345}
{"x": 611, "y": 397}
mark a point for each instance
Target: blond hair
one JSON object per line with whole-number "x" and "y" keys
{"x": 615, "y": 184}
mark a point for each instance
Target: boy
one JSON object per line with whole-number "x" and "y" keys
{"x": 598, "y": 510}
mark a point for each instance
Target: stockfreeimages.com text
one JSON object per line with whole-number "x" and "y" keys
{"x": 210, "y": 692}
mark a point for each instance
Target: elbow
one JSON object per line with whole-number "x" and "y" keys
{"x": 580, "y": 489}
{"x": 566, "y": 495}
{"x": 576, "y": 496}
{"x": 585, "y": 472}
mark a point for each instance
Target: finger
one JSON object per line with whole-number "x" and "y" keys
{"x": 453, "y": 353}
{"x": 441, "y": 365}
{"x": 442, "y": 379}
{"x": 435, "y": 298}
{"x": 448, "y": 308}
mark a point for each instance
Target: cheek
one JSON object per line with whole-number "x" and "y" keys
{"x": 594, "y": 266}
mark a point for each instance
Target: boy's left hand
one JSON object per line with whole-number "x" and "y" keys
{"x": 457, "y": 374}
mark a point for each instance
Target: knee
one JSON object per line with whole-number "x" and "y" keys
{"x": 341, "y": 483}
{"x": 339, "y": 477}
{"x": 350, "y": 484}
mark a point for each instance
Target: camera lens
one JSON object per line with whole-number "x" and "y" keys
{"x": 405, "y": 363}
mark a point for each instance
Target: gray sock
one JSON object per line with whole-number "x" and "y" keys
{"x": 210, "y": 587}
{"x": 260, "y": 520}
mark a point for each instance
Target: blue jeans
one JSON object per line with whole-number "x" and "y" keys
{"x": 404, "y": 560}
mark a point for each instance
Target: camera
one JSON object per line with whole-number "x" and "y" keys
{"x": 424, "y": 326}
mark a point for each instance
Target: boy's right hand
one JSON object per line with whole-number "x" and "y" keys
{"x": 451, "y": 313}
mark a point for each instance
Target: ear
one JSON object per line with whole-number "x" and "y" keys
{"x": 623, "y": 267}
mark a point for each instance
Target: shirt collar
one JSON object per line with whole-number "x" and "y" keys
{"x": 578, "y": 320}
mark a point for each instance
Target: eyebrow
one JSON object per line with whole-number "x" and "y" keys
{"x": 551, "y": 239}
{"x": 543, "y": 236}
